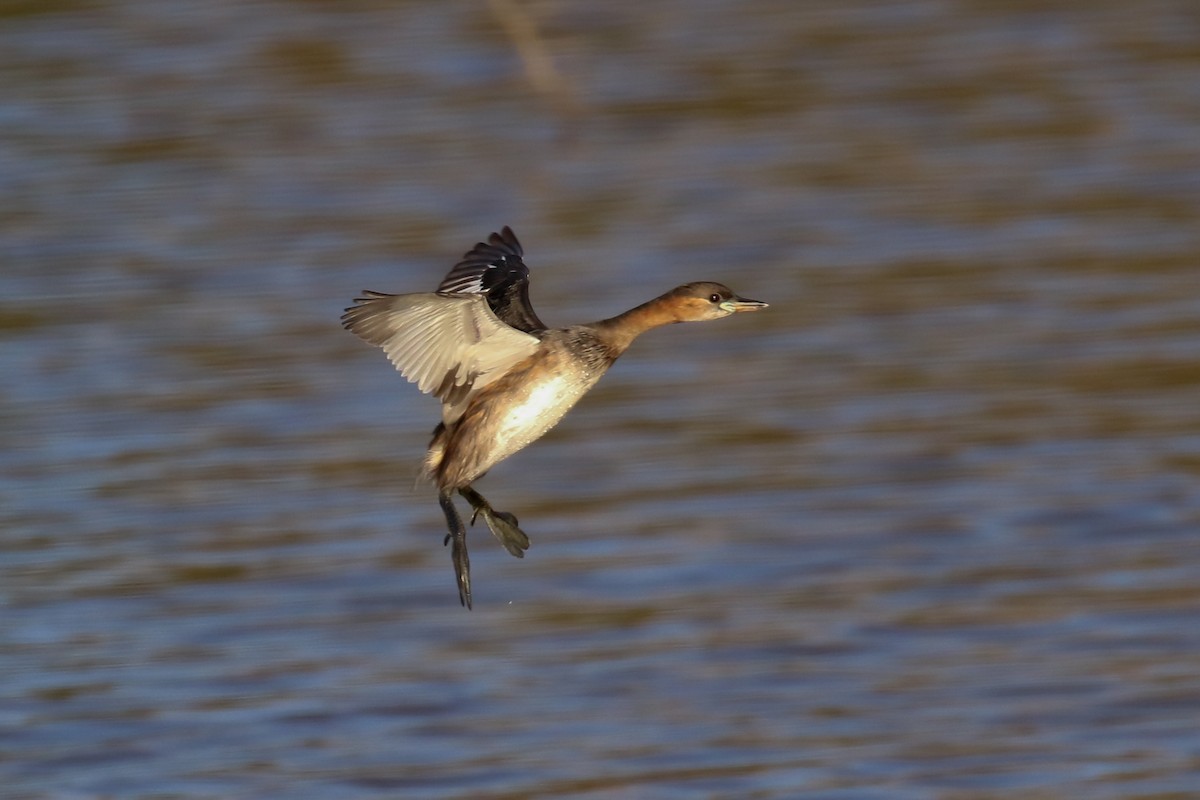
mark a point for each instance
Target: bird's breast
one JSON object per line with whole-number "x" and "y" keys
{"x": 535, "y": 410}
{"x": 518, "y": 408}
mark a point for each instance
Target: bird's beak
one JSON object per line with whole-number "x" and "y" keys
{"x": 742, "y": 304}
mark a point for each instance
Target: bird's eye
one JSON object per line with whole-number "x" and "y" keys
{"x": 714, "y": 298}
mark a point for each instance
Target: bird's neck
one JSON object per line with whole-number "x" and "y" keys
{"x": 619, "y": 332}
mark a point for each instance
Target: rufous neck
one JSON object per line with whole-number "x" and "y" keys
{"x": 620, "y": 331}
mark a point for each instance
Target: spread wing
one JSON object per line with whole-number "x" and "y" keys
{"x": 496, "y": 270}
{"x": 450, "y": 345}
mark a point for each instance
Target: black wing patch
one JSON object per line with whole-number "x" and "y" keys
{"x": 488, "y": 266}
{"x": 495, "y": 268}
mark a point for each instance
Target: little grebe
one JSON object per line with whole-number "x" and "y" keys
{"x": 503, "y": 377}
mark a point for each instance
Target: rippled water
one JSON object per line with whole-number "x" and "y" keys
{"x": 927, "y": 528}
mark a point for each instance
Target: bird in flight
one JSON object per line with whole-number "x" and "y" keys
{"x": 504, "y": 379}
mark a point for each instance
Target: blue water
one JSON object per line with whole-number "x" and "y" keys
{"x": 926, "y": 528}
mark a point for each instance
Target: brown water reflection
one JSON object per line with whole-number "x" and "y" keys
{"x": 928, "y": 528}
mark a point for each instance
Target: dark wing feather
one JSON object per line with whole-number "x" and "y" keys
{"x": 495, "y": 269}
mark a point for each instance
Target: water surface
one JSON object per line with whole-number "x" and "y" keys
{"x": 927, "y": 528}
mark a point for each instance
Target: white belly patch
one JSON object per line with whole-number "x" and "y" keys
{"x": 540, "y": 411}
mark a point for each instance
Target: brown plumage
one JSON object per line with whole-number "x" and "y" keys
{"x": 503, "y": 377}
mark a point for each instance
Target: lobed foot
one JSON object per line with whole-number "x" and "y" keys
{"x": 502, "y": 524}
{"x": 504, "y": 527}
{"x": 462, "y": 565}
{"x": 457, "y": 539}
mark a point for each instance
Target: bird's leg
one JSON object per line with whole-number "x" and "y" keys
{"x": 503, "y": 524}
{"x": 458, "y": 550}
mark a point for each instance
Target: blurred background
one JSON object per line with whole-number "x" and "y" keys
{"x": 927, "y": 528}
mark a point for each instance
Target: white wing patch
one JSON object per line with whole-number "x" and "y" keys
{"x": 450, "y": 345}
